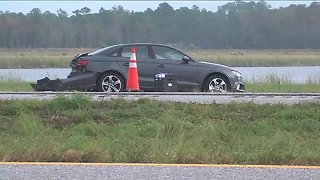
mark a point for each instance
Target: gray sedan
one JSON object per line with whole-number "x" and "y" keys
{"x": 106, "y": 70}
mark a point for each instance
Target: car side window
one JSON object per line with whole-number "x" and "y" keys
{"x": 114, "y": 54}
{"x": 167, "y": 53}
{"x": 141, "y": 52}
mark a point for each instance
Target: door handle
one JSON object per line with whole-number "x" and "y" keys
{"x": 161, "y": 65}
{"x": 125, "y": 64}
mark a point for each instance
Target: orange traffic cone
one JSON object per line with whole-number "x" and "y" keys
{"x": 133, "y": 81}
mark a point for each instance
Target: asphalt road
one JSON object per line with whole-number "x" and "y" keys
{"x": 191, "y": 97}
{"x": 153, "y": 171}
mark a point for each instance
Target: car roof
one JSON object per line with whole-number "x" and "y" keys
{"x": 145, "y": 44}
{"x": 117, "y": 46}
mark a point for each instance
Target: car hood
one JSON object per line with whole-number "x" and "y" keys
{"x": 205, "y": 63}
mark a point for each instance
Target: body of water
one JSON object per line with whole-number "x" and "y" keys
{"x": 296, "y": 74}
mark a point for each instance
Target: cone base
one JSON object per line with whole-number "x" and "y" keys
{"x": 134, "y": 91}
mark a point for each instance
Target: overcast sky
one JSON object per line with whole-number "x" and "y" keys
{"x": 69, "y": 6}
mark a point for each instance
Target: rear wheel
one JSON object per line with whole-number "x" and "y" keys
{"x": 216, "y": 83}
{"x": 110, "y": 82}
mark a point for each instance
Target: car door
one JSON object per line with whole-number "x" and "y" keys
{"x": 169, "y": 60}
{"x": 145, "y": 64}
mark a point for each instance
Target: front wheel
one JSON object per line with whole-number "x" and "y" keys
{"x": 216, "y": 83}
{"x": 110, "y": 82}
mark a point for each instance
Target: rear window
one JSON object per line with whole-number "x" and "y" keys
{"x": 103, "y": 52}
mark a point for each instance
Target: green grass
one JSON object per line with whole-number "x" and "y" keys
{"x": 15, "y": 86}
{"x": 250, "y": 87}
{"x": 57, "y": 57}
{"x": 274, "y": 87}
{"x": 80, "y": 130}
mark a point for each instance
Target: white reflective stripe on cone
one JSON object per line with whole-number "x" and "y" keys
{"x": 133, "y": 65}
{"x": 133, "y": 56}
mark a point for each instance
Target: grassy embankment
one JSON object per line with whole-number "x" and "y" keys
{"x": 51, "y": 58}
{"x": 80, "y": 130}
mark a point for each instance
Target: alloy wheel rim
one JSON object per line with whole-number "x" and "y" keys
{"x": 217, "y": 85}
{"x": 111, "y": 83}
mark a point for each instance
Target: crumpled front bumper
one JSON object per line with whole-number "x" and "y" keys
{"x": 240, "y": 87}
{"x": 80, "y": 82}
{"x": 46, "y": 84}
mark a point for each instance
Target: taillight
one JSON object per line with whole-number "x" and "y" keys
{"x": 82, "y": 63}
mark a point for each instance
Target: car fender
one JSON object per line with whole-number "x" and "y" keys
{"x": 204, "y": 74}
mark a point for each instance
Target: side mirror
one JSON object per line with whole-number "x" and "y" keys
{"x": 185, "y": 59}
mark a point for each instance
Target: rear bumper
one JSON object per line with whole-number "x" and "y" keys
{"x": 80, "y": 82}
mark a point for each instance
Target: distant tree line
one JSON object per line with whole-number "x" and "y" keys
{"x": 238, "y": 25}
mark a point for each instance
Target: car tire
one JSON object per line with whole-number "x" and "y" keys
{"x": 216, "y": 83}
{"x": 110, "y": 82}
